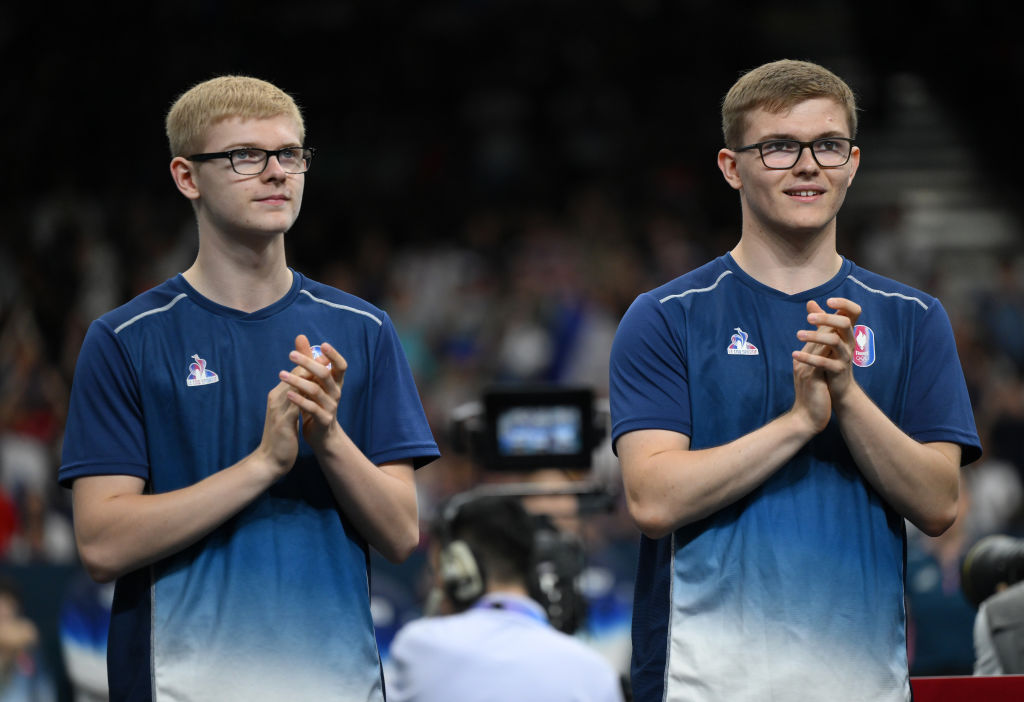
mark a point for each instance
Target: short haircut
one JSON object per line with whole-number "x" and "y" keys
{"x": 779, "y": 86}
{"x": 501, "y": 533}
{"x": 211, "y": 101}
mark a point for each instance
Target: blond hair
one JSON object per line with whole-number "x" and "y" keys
{"x": 779, "y": 86}
{"x": 211, "y": 101}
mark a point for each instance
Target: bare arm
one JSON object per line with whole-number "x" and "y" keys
{"x": 920, "y": 481}
{"x": 119, "y": 529}
{"x": 380, "y": 500}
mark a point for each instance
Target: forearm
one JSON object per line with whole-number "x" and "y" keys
{"x": 920, "y": 481}
{"x": 667, "y": 488}
{"x": 379, "y": 500}
{"x": 118, "y": 529}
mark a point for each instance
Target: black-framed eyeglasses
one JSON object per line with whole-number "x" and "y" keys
{"x": 782, "y": 154}
{"x": 253, "y": 161}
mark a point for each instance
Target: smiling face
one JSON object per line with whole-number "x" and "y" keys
{"x": 802, "y": 200}
{"x": 229, "y": 204}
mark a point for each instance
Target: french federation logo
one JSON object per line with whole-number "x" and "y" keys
{"x": 198, "y": 374}
{"x": 317, "y": 353}
{"x": 863, "y": 346}
{"x": 740, "y": 346}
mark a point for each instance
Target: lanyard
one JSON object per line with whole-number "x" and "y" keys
{"x": 527, "y": 609}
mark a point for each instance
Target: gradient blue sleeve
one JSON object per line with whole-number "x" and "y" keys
{"x": 938, "y": 405}
{"x": 400, "y": 429}
{"x": 104, "y": 432}
{"x": 648, "y": 386}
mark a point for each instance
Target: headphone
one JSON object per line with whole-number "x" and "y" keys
{"x": 461, "y": 571}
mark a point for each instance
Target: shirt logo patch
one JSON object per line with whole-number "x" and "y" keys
{"x": 317, "y": 353}
{"x": 863, "y": 346}
{"x": 198, "y": 374}
{"x": 740, "y": 346}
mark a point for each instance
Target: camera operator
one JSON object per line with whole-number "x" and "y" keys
{"x": 993, "y": 581}
{"x": 496, "y": 637}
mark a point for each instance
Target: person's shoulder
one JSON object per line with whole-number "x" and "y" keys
{"x": 876, "y": 284}
{"x": 702, "y": 279}
{"x": 323, "y": 294}
{"x": 159, "y": 298}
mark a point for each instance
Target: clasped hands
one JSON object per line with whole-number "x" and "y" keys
{"x": 822, "y": 369}
{"x": 311, "y": 390}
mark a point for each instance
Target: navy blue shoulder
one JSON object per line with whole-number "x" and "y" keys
{"x": 700, "y": 279}
{"x": 879, "y": 284}
{"x": 339, "y": 299}
{"x": 157, "y": 299}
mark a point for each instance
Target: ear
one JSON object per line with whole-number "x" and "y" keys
{"x": 727, "y": 165}
{"x": 854, "y": 164}
{"x": 183, "y": 173}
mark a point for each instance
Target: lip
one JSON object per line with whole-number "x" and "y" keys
{"x": 804, "y": 192}
{"x": 275, "y": 199}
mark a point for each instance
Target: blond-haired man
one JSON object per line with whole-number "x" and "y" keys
{"x": 219, "y": 473}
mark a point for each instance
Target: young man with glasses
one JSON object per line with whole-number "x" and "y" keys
{"x": 778, "y": 413}
{"x": 219, "y": 472}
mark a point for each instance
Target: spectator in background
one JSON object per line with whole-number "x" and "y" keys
{"x": 84, "y": 624}
{"x": 22, "y": 675}
{"x": 492, "y": 639}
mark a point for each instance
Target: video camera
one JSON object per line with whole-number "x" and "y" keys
{"x": 523, "y": 428}
{"x": 992, "y": 560}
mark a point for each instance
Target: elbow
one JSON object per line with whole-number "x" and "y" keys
{"x": 98, "y": 558}
{"x": 400, "y": 547}
{"x": 654, "y": 523}
{"x": 96, "y": 564}
{"x": 941, "y": 517}
{"x": 937, "y": 523}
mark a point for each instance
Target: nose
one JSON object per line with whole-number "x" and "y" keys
{"x": 808, "y": 162}
{"x": 274, "y": 170}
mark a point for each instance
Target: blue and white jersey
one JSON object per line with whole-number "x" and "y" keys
{"x": 794, "y": 592}
{"x": 274, "y": 604}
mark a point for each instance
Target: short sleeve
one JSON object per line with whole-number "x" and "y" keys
{"x": 938, "y": 405}
{"x": 648, "y": 385}
{"x": 104, "y": 434}
{"x": 400, "y": 430}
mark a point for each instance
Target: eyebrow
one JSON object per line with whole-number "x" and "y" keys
{"x": 791, "y": 137}
{"x": 249, "y": 145}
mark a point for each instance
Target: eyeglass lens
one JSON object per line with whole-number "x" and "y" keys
{"x": 253, "y": 161}
{"x": 784, "y": 153}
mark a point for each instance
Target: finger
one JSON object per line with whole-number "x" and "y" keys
{"x": 828, "y": 364}
{"x": 845, "y": 307}
{"x": 307, "y": 387}
{"x": 302, "y": 345}
{"x": 315, "y": 367}
{"x": 323, "y": 415}
{"x": 338, "y": 363}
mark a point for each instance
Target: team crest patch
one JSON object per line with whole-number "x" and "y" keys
{"x": 317, "y": 353}
{"x": 198, "y": 374}
{"x": 739, "y": 345}
{"x": 863, "y": 346}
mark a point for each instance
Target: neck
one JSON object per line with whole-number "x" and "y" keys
{"x": 791, "y": 263}
{"x": 246, "y": 276}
